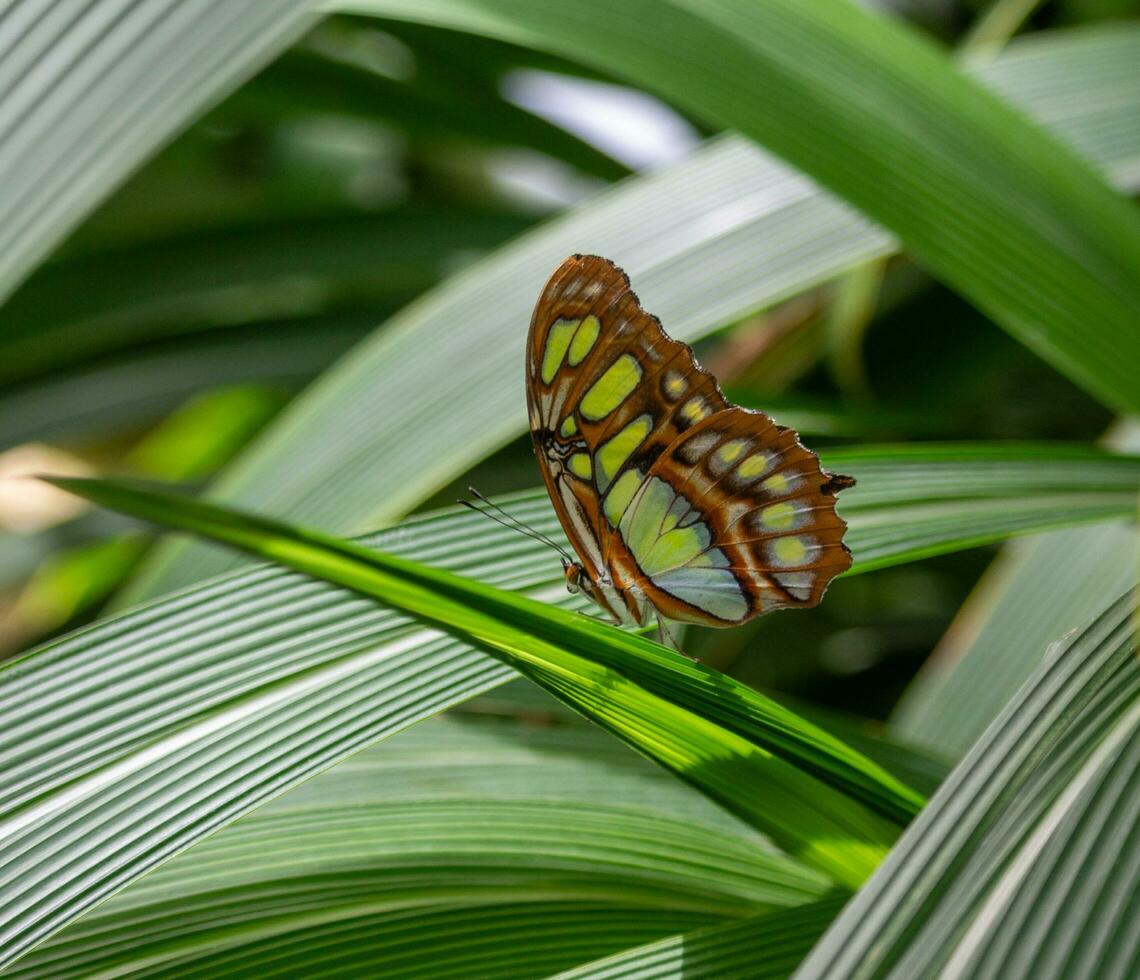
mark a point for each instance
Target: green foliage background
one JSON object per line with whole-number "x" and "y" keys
{"x": 268, "y": 251}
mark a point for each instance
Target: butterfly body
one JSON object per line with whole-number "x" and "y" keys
{"x": 677, "y": 503}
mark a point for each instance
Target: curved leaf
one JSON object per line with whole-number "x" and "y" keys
{"x": 989, "y": 203}
{"x": 158, "y": 726}
{"x": 112, "y": 81}
{"x": 451, "y": 824}
{"x": 1032, "y": 841}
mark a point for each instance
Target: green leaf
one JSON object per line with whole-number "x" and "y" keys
{"x": 915, "y": 501}
{"x": 725, "y": 232}
{"x": 474, "y": 820}
{"x": 768, "y": 947}
{"x": 1026, "y": 863}
{"x": 112, "y": 82}
{"x": 158, "y": 726}
{"x": 1037, "y": 591}
{"x": 86, "y": 305}
{"x": 711, "y": 731}
{"x": 989, "y": 203}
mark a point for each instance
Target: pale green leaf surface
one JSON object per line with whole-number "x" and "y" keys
{"x": 470, "y": 814}
{"x": 768, "y": 947}
{"x": 162, "y": 724}
{"x": 89, "y": 90}
{"x": 1032, "y": 841}
{"x": 1035, "y": 594}
{"x": 725, "y": 232}
{"x": 1039, "y": 591}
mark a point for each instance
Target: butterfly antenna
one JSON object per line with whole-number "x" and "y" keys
{"x": 509, "y": 520}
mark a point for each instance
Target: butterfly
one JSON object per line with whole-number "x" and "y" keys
{"x": 678, "y": 503}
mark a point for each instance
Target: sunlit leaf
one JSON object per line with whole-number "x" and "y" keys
{"x": 177, "y": 716}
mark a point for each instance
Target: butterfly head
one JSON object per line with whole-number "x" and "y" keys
{"x": 576, "y": 578}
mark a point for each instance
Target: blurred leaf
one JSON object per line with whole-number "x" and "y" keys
{"x": 768, "y": 947}
{"x": 188, "y": 445}
{"x": 850, "y": 314}
{"x": 112, "y": 82}
{"x": 164, "y": 723}
{"x": 128, "y": 390}
{"x": 1026, "y": 863}
{"x": 554, "y": 820}
{"x": 726, "y": 232}
{"x": 315, "y": 80}
{"x": 1038, "y": 592}
{"x": 88, "y": 304}
{"x": 992, "y": 205}
{"x": 1000, "y": 21}
{"x": 202, "y": 434}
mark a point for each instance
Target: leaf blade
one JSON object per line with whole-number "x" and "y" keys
{"x": 1035, "y": 793}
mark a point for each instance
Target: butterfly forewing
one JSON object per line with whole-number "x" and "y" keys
{"x": 673, "y": 498}
{"x": 608, "y": 392}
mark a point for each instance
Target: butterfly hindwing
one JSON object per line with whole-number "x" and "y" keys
{"x": 736, "y": 519}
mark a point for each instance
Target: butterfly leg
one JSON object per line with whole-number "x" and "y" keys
{"x": 666, "y": 637}
{"x": 605, "y": 617}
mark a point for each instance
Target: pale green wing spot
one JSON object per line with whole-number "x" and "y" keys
{"x": 715, "y": 590}
{"x": 779, "y": 483}
{"x": 728, "y": 454}
{"x": 612, "y": 455}
{"x": 619, "y": 496}
{"x": 677, "y": 559}
{"x": 569, "y": 427}
{"x": 792, "y": 550}
{"x": 580, "y": 465}
{"x": 611, "y": 389}
{"x": 584, "y": 340}
{"x": 674, "y": 385}
{"x": 674, "y": 548}
{"x": 556, "y": 343}
{"x": 779, "y": 517}
{"x": 754, "y": 466}
{"x": 732, "y": 450}
{"x": 695, "y": 409}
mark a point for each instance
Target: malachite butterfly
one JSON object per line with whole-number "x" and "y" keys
{"x": 677, "y": 502}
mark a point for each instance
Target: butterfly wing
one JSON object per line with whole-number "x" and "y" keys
{"x": 734, "y": 520}
{"x": 607, "y": 391}
{"x": 671, "y": 496}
